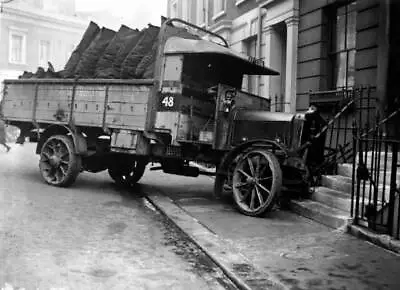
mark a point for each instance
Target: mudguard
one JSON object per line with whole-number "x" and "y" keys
{"x": 77, "y": 138}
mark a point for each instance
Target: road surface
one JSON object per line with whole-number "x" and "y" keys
{"x": 90, "y": 236}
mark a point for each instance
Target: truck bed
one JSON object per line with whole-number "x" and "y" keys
{"x": 90, "y": 102}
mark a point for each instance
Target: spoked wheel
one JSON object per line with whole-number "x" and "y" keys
{"x": 126, "y": 172}
{"x": 256, "y": 182}
{"x": 59, "y": 165}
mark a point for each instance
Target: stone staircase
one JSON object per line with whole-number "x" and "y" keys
{"x": 330, "y": 203}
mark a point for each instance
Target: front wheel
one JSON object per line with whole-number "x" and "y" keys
{"x": 126, "y": 172}
{"x": 256, "y": 182}
{"x": 59, "y": 165}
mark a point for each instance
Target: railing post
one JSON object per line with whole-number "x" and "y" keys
{"x": 353, "y": 176}
{"x": 393, "y": 175}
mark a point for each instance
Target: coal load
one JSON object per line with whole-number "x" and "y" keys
{"x": 89, "y": 35}
{"x": 41, "y": 73}
{"x": 104, "y": 53}
{"x": 125, "y": 37}
{"x": 144, "y": 45}
{"x": 87, "y": 64}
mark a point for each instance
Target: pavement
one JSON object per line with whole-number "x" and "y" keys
{"x": 279, "y": 251}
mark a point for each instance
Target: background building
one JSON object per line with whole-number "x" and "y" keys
{"x": 342, "y": 44}
{"x": 316, "y": 45}
{"x": 33, "y": 32}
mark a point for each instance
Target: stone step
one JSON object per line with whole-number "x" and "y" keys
{"x": 333, "y": 198}
{"x": 339, "y": 200}
{"x": 331, "y": 217}
{"x": 346, "y": 169}
{"x": 337, "y": 182}
{"x": 342, "y": 183}
{"x": 370, "y": 160}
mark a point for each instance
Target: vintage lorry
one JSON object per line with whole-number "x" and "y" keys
{"x": 192, "y": 110}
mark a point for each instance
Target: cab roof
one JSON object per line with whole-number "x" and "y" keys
{"x": 178, "y": 45}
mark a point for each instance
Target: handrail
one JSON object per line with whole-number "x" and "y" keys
{"x": 327, "y": 126}
{"x": 394, "y": 113}
{"x": 171, "y": 20}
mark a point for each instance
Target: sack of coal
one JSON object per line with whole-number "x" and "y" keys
{"x": 91, "y": 31}
{"x": 104, "y": 67}
{"x": 130, "y": 42}
{"x": 144, "y": 45}
{"x": 145, "y": 69}
{"x": 87, "y": 64}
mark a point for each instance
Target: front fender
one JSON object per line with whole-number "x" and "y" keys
{"x": 229, "y": 157}
{"x": 78, "y": 139}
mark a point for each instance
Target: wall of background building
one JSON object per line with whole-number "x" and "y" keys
{"x": 49, "y": 22}
{"x": 313, "y": 67}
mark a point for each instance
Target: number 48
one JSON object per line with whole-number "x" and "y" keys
{"x": 168, "y": 101}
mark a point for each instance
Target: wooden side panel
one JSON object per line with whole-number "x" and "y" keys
{"x": 18, "y": 102}
{"x": 119, "y": 105}
{"x": 53, "y": 103}
{"x": 127, "y": 106}
{"x": 89, "y": 104}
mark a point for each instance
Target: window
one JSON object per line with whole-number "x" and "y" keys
{"x": 17, "y": 48}
{"x": 44, "y": 52}
{"x": 201, "y": 12}
{"x": 185, "y": 10}
{"x": 39, "y": 3}
{"x": 250, "y": 81}
{"x": 174, "y": 9}
{"x": 343, "y": 46}
{"x": 219, "y": 7}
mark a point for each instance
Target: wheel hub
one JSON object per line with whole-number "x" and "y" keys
{"x": 55, "y": 161}
{"x": 252, "y": 180}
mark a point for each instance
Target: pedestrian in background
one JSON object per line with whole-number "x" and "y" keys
{"x": 3, "y": 134}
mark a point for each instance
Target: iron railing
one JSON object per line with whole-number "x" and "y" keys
{"x": 345, "y": 108}
{"x": 279, "y": 104}
{"x": 376, "y": 180}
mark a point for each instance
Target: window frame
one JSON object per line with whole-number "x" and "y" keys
{"x": 21, "y": 34}
{"x": 44, "y": 64}
{"x": 333, "y": 52}
{"x": 250, "y": 46}
{"x": 220, "y": 13}
{"x": 176, "y": 14}
{"x": 185, "y": 15}
{"x": 201, "y": 15}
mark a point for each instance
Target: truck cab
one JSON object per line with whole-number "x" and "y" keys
{"x": 200, "y": 89}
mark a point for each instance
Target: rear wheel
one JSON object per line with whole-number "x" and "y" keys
{"x": 256, "y": 182}
{"x": 126, "y": 171}
{"x": 59, "y": 165}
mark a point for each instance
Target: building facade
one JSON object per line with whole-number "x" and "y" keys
{"x": 316, "y": 46}
{"x": 33, "y": 32}
{"x": 342, "y": 44}
{"x": 266, "y": 30}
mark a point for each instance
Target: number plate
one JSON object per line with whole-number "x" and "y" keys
{"x": 124, "y": 139}
{"x": 168, "y": 102}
